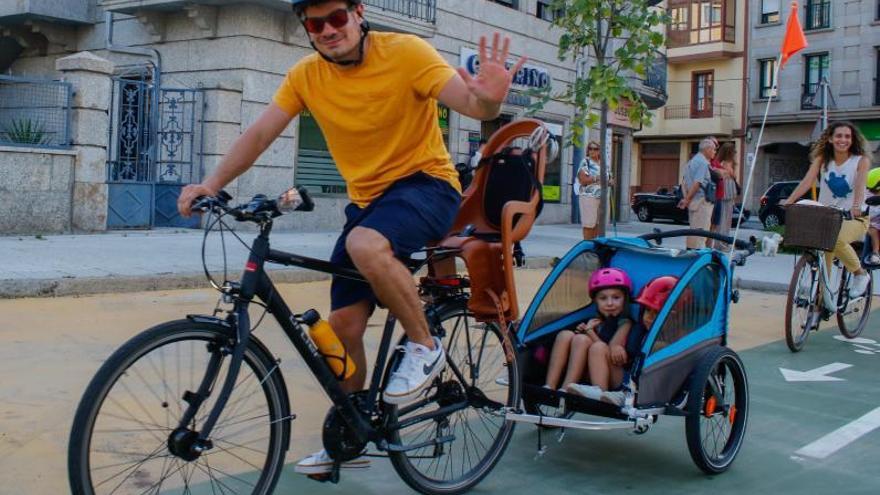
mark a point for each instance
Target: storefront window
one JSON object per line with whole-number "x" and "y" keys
{"x": 443, "y": 120}
{"x": 553, "y": 172}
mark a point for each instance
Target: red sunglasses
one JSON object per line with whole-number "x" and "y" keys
{"x": 315, "y": 25}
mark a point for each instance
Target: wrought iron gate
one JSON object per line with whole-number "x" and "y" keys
{"x": 155, "y": 149}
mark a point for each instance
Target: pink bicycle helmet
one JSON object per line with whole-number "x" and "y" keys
{"x": 605, "y": 278}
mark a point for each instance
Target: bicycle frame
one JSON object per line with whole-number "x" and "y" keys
{"x": 831, "y": 295}
{"x": 255, "y": 282}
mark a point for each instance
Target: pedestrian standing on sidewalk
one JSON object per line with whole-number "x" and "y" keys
{"x": 722, "y": 213}
{"x": 696, "y": 181}
{"x": 589, "y": 188}
{"x": 374, "y": 95}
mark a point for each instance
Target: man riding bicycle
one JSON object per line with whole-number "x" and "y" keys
{"x": 374, "y": 95}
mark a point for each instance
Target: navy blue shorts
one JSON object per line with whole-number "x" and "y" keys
{"x": 414, "y": 211}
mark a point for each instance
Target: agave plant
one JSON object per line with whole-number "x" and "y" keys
{"x": 27, "y": 131}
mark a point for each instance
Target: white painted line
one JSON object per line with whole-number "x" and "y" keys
{"x": 841, "y": 437}
{"x": 857, "y": 340}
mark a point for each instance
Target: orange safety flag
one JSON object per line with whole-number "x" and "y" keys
{"x": 794, "y": 40}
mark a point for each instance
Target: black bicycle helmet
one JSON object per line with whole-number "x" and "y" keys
{"x": 299, "y": 7}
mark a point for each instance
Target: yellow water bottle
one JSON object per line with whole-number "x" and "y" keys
{"x": 329, "y": 345}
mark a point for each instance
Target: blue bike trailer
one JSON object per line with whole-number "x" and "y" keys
{"x": 693, "y": 318}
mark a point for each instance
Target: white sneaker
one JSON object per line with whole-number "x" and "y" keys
{"x": 873, "y": 259}
{"x": 588, "y": 391}
{"x": 859, "y": 284}
{"x": 615, "y": 398}
{"x": 502, "y": 380}
{"x": 320, "y": 463}
{"x": 416, "y": 370}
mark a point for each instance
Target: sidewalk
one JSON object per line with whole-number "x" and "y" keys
{"x": 62, "y": 265}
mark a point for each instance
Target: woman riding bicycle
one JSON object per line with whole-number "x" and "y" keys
{"x": 840, "y": 161}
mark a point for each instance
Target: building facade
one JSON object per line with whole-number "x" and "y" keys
{"x": 838, "y": 71}
{"x": 167, "y": 85}
{"x": 706, "y": 46}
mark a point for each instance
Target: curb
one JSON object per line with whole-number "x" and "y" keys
{"x": 760, "y": 285}
{"x": 66, "y": 287}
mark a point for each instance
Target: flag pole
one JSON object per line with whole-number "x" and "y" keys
{"x": 747, "y": 187}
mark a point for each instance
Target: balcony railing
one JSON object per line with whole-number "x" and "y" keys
{"x": 812, "y": 96}
{"x": 652, "y": 86}
{"x": 677, "y": 112}
{"x": 817, "y": 15}
{"x": 423, "y": 10}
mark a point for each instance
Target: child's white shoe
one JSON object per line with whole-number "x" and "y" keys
{"x": 588, "y": 391}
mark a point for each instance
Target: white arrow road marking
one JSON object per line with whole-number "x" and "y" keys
{"x": 841, "y": 437}
{"x": 815, "y": 375}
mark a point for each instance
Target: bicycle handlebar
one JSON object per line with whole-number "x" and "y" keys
{"x": 259, "y": 209}
{"x": 738, "y": 244}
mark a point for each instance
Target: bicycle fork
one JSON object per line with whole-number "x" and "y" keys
{"x": 185, "y": 442}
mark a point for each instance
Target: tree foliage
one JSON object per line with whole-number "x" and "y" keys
{"x": 622, "y": 39}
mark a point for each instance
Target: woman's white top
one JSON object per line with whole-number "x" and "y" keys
{"x": 837, "y": 183}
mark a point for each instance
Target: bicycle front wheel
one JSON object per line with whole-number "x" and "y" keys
{"x": 802, "y": 303}
{"x": 479, "y": 432}
{"x": 121, "y": 440}
{"x": 853, "y": 312}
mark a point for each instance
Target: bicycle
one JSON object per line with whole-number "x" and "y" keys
{"x": 200, "y": 404}
{"x": 805, "y": 305}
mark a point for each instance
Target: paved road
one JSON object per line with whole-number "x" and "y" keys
{"x": 51, "y": 348}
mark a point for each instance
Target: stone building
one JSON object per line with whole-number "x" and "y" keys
{"x": 839, "y": 70}
{"x": 153, "y": 93}
{"x": 706, "y": 45}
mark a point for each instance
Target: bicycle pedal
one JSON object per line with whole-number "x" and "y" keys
{"x": 323, "y": 477}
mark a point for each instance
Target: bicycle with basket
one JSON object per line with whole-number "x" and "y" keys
{"x": 818, "y": 291}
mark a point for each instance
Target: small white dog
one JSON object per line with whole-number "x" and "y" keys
{"x": 770, "y": 244}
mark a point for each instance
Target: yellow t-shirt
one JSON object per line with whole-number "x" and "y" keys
{"x": 380, "y": 117}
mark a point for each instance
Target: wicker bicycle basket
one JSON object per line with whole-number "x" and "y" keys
{"x": 812, "y": 227}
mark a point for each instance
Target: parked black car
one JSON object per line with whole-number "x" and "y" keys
{"x": 663, "y": 204}
{"x": 770, "y": 213}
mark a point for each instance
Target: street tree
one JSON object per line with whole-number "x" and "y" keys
{"x": 622, "y": 38}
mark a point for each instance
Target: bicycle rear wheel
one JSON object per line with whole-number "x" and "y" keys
{"x": 801, "y": 307}
{"x": 120, "y": 442}
{"x": 855, "y": 311}
{"x": 480, "y": 430}
{"x": 718, "y": 410}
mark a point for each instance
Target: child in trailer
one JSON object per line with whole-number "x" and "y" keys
{"x": 610, "y": 289}
{"x": 653, "y": 296}
{"x": 608, "y": 362}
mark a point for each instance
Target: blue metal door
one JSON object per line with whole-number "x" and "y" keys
{"x": 130, "y": 192}
{"x": 155, "y": 149}
{"x": 179, "y": 152}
